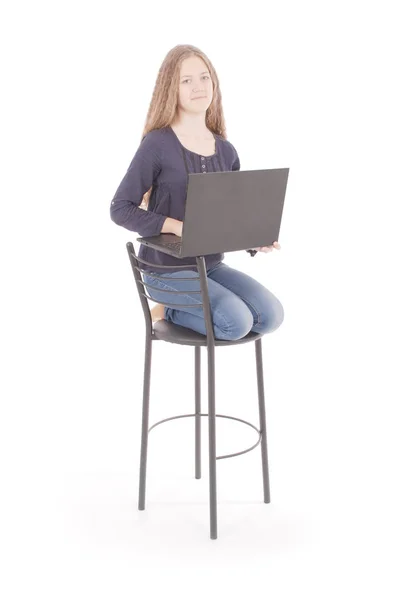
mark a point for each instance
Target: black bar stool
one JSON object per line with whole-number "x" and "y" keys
{"x": 169, "y": 332}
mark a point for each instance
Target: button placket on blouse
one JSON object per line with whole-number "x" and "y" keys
{"x": 203, "y": 158}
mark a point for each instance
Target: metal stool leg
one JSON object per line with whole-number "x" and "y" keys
{"x": 262, "y": 419}
{"x": 212, "y": 443}
{"x": 197, "y": 412}
{"x": 145, "y": 423}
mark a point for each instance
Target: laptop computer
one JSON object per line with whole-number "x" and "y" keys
{"x": 227, "y": 211}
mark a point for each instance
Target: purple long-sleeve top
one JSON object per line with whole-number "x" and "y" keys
{"x": 163, "y": 162}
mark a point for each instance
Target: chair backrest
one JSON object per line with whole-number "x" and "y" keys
{"x": 140, "y": 284}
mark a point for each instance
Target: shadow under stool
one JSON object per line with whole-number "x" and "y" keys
{"x": 176, "y": 334}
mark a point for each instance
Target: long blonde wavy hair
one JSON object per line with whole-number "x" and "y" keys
{"x": 164, "y": 104}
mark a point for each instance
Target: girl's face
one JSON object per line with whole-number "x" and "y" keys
{"x": 195, "y": 87}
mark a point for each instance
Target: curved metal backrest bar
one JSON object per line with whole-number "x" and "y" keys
{"x": 156, "y": 276}
{"x": 138, "y": 259}
{"x": 201, "y": 267}
{"x": 172, "y": 291}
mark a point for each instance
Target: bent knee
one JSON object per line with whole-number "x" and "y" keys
{"x": 233, "y": 323}
{"x": 273, "y": 316}
{"x": 279, "y": 313}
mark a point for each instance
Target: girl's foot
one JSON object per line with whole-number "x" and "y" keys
{"x": 157, "y": 312}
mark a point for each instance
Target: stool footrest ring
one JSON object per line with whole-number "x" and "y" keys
{"x": 225, "y": 417}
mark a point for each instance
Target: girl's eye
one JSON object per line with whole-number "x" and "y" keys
{"x": 188, "y": 79}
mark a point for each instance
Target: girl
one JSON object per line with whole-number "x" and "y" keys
{"x": 185, "y": 133}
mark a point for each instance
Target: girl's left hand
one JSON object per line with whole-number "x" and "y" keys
{"x": 276, "y": 245}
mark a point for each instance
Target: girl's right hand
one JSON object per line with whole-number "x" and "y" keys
{"x": 178, "y": 227}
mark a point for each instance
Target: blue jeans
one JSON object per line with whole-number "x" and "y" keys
{"x": 238, "y": 303}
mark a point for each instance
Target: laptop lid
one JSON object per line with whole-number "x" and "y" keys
{"x": 233, "y": 210}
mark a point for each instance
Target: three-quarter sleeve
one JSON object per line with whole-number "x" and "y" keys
{"x": 236, "y": 167}
{"x": 140, "y": 176}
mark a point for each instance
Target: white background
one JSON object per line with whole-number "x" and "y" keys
{"x": 311, "y": 86}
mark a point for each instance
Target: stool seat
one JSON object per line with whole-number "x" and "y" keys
{"x": 176, "y": 334}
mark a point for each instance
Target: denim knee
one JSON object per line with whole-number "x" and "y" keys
{"x": 271, "y": 319}
{"x": 237, "y": 326}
